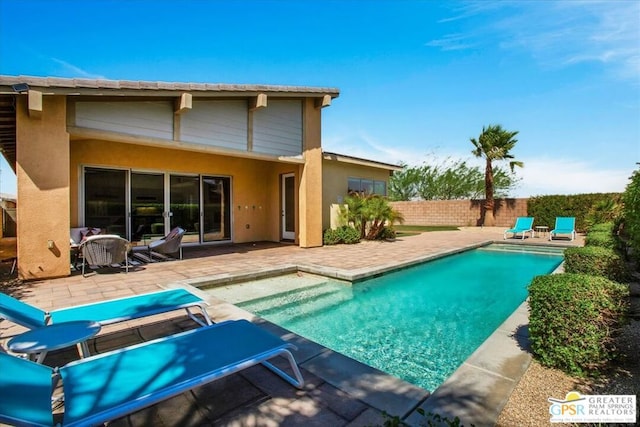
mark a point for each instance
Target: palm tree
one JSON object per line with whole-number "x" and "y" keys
{"x": 369, "y": 214}
{"x": 494, "y": 144}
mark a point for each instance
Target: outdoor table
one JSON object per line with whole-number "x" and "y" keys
{"x": 542, "y": 229}
{"x": 74, "y": 249}
{"x": 54, "y": 337}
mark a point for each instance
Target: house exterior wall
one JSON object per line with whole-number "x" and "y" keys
{"x": 335, "y": 183}
{"x": 42, "y": 173}
{"x": 140, "y": 131}
{"x": 461, "y": 213}
{"x": 276, "y": 130}
{"x": 311, "y": 180}
{"x": 254, "y": 182}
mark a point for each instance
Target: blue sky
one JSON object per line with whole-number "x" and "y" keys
{"x": 417, "y": 78}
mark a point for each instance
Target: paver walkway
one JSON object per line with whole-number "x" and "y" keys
{"x": 342, "y": 393}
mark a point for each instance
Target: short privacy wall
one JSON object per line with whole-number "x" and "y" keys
{"x": 463, "y": 213}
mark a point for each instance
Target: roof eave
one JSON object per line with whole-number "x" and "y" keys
{"x": 103, "y": 87}
{"x": 359, "y": 161}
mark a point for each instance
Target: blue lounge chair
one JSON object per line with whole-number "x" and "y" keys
{"x": 524, "y": 224}
{"x": 564, "y": 225}
{"x": 107, "y": 386}
{"x": 106, "y": 312}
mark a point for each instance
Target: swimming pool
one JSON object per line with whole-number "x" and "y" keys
{"x": 418, "y": 323}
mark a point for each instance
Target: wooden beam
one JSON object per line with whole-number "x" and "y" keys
{"x": 325, "y": 101}
{"x": 35, "y": 103}
{"x": 184, "y": 103}
{"x": 260, "y": 101}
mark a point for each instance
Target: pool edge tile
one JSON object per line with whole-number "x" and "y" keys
{"x": 373, "y": 387}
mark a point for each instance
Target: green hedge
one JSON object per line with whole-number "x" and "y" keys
{"x": 572, "y": 319}
{"x": 344, "y": 234}
{"x": 605, "y": 227}
{"x": 631, "y": 213}
{"x": 545, "y": 209}
{"x": 597, "y": 261}
{"x": 602, "y": 239}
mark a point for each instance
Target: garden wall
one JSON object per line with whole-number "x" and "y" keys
{"x": 459, "y": 212}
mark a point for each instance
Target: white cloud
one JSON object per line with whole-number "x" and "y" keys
{"x": 360, "y": 144}
{"x": 558, "y": 33}
{"x": 75, "y": 71}
{"x": 542, "y": 176}
{"x": 539, "y": 176}
{"x": 452, "y": 42}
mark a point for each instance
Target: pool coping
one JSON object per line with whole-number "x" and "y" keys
{"x": 476, "y": 392}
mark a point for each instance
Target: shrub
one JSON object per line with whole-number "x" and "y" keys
{"x": 369, "y": 213}
{"x": 605, "y": 227}
{"x": 344, "y": 234}
{"x": 331, "y": 237}
{"x": 349, "y": 235}
{"x": 631, "y": 212}
{"x": 597, "y": 261}
{"x": 608, "y": 210}
{"x": 572, "y": 320}
{"x": 388, "y": 233}
{"x": 545, "y": 209}
{"x": 602, "y": 239}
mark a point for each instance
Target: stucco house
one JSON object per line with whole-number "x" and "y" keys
{"x": 228, "y": 163}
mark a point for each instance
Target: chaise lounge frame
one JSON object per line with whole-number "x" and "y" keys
{"x": 107, "y": 386}
{"x": 524, "y": 224}
{"x": 107, "y": 312}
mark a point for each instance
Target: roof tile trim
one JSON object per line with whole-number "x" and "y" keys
{"x": 53, "y": 82}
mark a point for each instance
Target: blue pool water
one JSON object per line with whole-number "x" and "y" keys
{"x": 419, "y": 323}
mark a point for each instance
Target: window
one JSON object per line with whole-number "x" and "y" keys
{"x": 380, "y": 187}
{"x": 366, "y": 186}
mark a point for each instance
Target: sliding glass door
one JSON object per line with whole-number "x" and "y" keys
{"x": 105, "y": 198}
{"x": 147, "y": 207}
{"x": 156, "y": 203}
{"x": 184, "y": 212}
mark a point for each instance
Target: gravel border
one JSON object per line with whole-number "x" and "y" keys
{"x": 528, "y": 405}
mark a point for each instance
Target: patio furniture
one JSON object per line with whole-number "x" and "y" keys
{"x": 169, "y": 244}
{"x": 111, "y": 385}
{"x": 38, "y": 342}
{"x": 106, "y": 312}
{"x": 76, "y": 236}
{"x": 564, "y": 225}
{"x": 104, "y": 250}
{"x": 524, "y": 224}
{"x": 541, "y": 230}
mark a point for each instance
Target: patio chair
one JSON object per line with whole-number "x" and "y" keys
{"x": 104, "y": 250}
{"x": 524, "y": 224}
{"x": 564, "y": 225}
{"x": 107, "y": 386}
{"x": 169, "y": 244}
{"x": 106, "y": 312}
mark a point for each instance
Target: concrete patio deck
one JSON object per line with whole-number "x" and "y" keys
{"x": 339, "y": 390}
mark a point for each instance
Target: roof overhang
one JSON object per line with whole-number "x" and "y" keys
{"x": 14, "y": 86}
{"x": 361, "y": 162}
{"x": 136, "y": 88}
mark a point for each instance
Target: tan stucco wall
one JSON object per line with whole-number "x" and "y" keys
{"x": 49, "y": 174}
{"x": 335, "y": 182}
{"x": 254, "y": 182}
{"x": 459, "y": 212}
{"x": 42, "y": 173}
{"x": 310, "y": 204}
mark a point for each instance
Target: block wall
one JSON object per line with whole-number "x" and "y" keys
{"x": 462, "y": 213}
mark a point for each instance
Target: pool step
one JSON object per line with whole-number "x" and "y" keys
{"x": 288, "y": 303}
{"x": 539, "y": 250}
